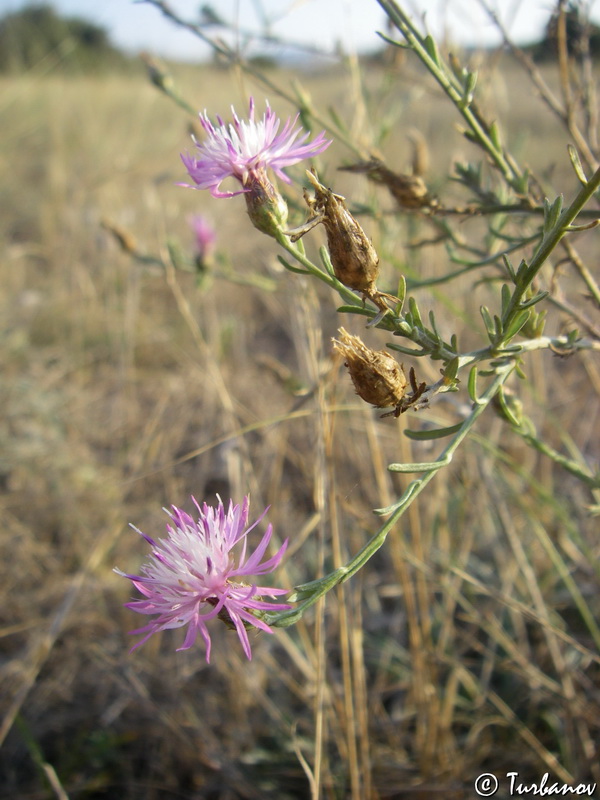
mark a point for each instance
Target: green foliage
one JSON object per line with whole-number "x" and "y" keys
{"x": 31, "y": 37}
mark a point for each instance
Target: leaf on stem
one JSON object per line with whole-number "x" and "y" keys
{"x": 472, "y": 385}
{"x": 488, "y": 322}
{"x": 575, "y": 161}
{"x": 432, "y": 50}
{"x": 288, "y": 266}
{"x": 515, "y": 325}
{"x": 552, "y": 213}
{"x": 433, "y": 433}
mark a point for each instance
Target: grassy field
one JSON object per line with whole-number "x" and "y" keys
{"x": 468, "y": 643}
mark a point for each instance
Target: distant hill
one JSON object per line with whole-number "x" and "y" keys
{"x": 38, "y": 37}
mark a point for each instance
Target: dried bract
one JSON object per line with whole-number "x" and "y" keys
{"x": 409, "y": 191}
{"x": 376, "y": 375}
{"x": 353, "y": 258}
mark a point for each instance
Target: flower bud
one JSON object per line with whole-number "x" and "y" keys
{"x": 376, "y": 375}
{"x": 267, "y": 209}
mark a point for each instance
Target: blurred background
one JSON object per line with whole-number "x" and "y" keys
{"x": 137, "y": 371}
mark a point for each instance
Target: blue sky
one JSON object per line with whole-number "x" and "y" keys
{"x": 138, "y": 26}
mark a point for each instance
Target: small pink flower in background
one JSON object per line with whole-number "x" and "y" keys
{"x": 246, "y": 149}
{"x": 194, "y": 569}
{"x": 205, "y": 236}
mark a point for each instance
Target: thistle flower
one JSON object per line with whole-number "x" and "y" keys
{"x": 191, "y": 576}
{"x": 205, "y": 236}
{"x": 244, "y": 150}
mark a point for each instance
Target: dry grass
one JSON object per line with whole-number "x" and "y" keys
{"x": 461, "y": 648}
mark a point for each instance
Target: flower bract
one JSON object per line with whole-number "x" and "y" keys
{"x": 193, "y": 575}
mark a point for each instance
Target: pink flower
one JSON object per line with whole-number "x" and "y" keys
{"x": 194, "y": 569}
{"x": 205, "y": 236}
{"x": 244, "y": 150}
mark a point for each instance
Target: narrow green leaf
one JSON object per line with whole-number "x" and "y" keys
{"x": 401, "y": 294}
{"x": 521, "y": 184}
{"x": 363, "y": 312}
{"x": 523, "y": 267}
{"x": 287, "y": 265}
{"x": 495, "y": 136}
{"x": 552, "y": 213}
{"x": 450, "y": 371}
{"x": 414, "y": 312}
{"x": 515, "y": 325}
{"x": 407, "y": 351}
{"x": 507, "y": 410}
{"x": 434, "y": 433}
{"x": 395, "y": 42}
{"x": 419, "y": 466}
{"x": 432, "y": 51}
{"x": 326, "y": 260}
{"x": 434, "y": 329}
{"x": 575, "y": 161}
{"x": 498, "y": 327}
{"x": 472, "y": 385}
{"x": 506, "y": 294}
{"x": 533, "y": 300}
{"x": 470, "y": 81}
{"x": 509, "y": 268}
{"x": 403, "y": 328}
{"x": 487, "y": 321}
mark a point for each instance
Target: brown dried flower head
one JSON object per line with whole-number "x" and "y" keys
{"x": 376, "y": 375}
{"x": 353, "y": 257}
{"x": 409, "y": 191}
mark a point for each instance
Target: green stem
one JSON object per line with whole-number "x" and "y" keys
{"x": 308, "y": 594}
{"x": 557, "y": 343}
{"x": 322, "y": 275}
{"x": 580, "y": 471}
{"x": 547, "y": 245}
{"x": 449, "y": 84}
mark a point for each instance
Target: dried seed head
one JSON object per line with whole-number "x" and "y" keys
{"x": 376, "y": 375}
{"x": 409, "y": 191}
{"x": 353, "y": 257}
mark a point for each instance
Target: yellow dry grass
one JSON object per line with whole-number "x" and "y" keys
{"x": 461, "y": 648}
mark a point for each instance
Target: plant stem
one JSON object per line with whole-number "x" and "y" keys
{"x": 309, "y": 593}
{"x": 548, "y": 243}
{"x": 452, "y": 88}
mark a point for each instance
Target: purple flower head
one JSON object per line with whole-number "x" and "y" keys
{"x": 192, "y": 575}
{"x": 204, "y": 234}
{"x": 245, "y": 149}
